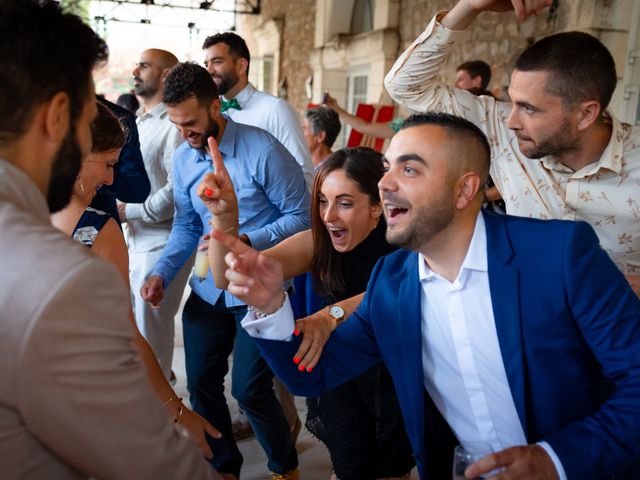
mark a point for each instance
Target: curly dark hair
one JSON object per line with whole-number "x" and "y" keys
{"x": 29, "y": 75}
{"x": 187, "y": 80}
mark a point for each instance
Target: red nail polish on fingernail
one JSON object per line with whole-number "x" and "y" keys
{"x": 297, "y": 360}
{"x": 296, "y": 332}
{"x": 309, "y": 369}
{"x": 301, "y": 368}
{"x": 208, "y": 192}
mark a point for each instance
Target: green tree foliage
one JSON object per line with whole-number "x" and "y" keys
{"x": 78, "y": 7}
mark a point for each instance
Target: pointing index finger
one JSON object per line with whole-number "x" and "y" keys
{"x": 234, "y": 244}
{"x": 216, "y": 156}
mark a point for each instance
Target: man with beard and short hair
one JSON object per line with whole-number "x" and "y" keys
{"x": 148, "y": 224}
{"x": 274, "y": 204}
{"x": 227, "y": 59}
{"x": 75, "y": 401}
{"x": 556, "y": 151}
{"x": 515, "y": 332}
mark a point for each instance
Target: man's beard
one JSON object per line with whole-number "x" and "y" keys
{"x": 145, "y": 90}
{"x": 227, "y": 82}
{"x": 212, "y": 130}
{"x": 429, "y": 220}
{"x": 561, "y": 142}
{"x": 64, "y": 171}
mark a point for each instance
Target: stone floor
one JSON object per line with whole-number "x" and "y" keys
{"x": 312, "y": 455}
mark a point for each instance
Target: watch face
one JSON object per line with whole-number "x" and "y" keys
{"x": 336, "y": 311}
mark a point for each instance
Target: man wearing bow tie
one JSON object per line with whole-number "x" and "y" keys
{"x": 227, "y": 60}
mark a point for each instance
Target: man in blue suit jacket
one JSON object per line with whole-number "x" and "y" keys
{"x": 516, "y": 332}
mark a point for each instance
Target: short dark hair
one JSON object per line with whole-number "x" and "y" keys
{"x": 128, "y": 101}
{"x": 30, "y": 77}
{"x": 106, "y": 130}
{"x": 186, "y": 80}
{"x": 477, "y": 68}
{"x": 457, "y": 128}
{"x": 580, "y": 66}
{"x": 237, "y": 46}
{"x": 323, "y": 119}
{"x": 362, "y": 165}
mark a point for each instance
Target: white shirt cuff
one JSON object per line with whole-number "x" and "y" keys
{"x": 277, "y": 326}
{"x": 555, "y": 459}
{"x": 133, "y": 211}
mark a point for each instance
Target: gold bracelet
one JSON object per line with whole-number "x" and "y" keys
{"x": 180, "y": 410}
{"x": 172, "y": 397}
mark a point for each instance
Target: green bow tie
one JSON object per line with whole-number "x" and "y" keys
{"x": 227, "y": 104}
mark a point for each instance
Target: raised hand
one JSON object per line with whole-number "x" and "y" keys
{"x": 253, "y": 277}
{"x": 217, "y": 192}
{"x": 523, "y": 8}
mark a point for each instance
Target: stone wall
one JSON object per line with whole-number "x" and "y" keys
{"x": 297, "y": 21}
{"x": 495, "y": 38}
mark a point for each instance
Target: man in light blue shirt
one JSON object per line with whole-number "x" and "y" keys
{"x": 274, "y": 204}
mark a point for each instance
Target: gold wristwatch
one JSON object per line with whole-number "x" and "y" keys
{"x": 336, "y": 313}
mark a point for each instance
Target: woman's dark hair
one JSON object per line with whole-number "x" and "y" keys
{"x": 106, "y": 131}
{"x": 363, "y": 166}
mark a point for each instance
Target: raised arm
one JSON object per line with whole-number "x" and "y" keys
{"x": 413, "y": 80}
{"x": 376, "y": 129}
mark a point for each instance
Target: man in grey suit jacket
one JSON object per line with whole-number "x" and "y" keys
{"x": 74, "y": 398}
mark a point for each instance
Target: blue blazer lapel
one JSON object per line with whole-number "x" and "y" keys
{"x": 409, "y": 313}
{"x": 505, "y": 298}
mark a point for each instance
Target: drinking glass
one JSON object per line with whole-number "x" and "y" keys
{"x": 463, "y": 456}
{"x": 201, "y": 264}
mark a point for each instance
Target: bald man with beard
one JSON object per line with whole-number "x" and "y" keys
{"x": 148, "y": 224}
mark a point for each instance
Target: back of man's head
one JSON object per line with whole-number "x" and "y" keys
{"x": 237, "y": 46}
{"x": 470, "y": 146}
{"x": 323, "y": 119}
{"x": 43, "y": 51}
{"x": 477, "y": 68}
{"x": 580, "y": 67}
{"x": 187, "y": 80}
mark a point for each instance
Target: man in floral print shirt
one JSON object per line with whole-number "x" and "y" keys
{"x": 556, "y": 151}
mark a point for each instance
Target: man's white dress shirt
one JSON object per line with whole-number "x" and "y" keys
{"x": 276, "y": 116}
{"x": 463, "y": 367}
{"x": 149, "y": 223}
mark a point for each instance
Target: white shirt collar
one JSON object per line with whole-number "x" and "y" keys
{"x": 475, "y": 259}
{"x": 244, "y": 95}
{"x": 158, "y": 110}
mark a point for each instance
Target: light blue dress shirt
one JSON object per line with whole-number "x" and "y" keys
{"x": 272, "y": 197}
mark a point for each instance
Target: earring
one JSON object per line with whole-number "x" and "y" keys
{"x": 81, "y": 185}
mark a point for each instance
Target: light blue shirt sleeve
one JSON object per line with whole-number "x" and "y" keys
{"x": 185, "y": 232}
{"x": 284, "y": 185}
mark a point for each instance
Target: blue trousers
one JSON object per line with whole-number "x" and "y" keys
{"x": 211, "y": 332}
